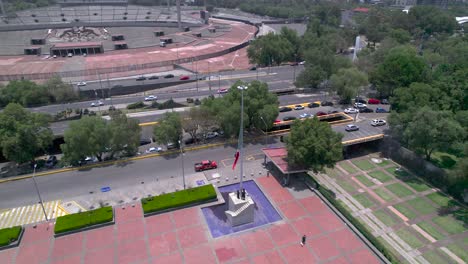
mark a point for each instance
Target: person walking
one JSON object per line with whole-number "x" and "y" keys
{"x": 303, "y": 240}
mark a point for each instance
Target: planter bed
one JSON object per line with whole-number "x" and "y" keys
{"x": 73, "y": 223}
{"x": 10, "y": 237}
{"x": 184, "y": 198}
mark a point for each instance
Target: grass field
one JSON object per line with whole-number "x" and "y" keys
{"x": 409, "y": 238}
{"x": 397, "y": 173}
{"x": 384, "y": 163}
{"x": 364, "y": 164}
{"x": 364, "y": 180}
{"x": 422, "y": 206}
{"x": 382, "y": 193}
{"x": 346, "y": 186}
{"x": 417, "y": 185}
{"x": 385, "y": 217}
{"x": 348, "y": 167}
{"x": 334, "y": 173}
{"x": 364, "y": 200}
{"x": 439, "y": 198}
{"x": 434, "y": 258}
{"x": 431, "y": 230}
{"x": 460, "y": 252}
{"x": 449, "y": 224}
{"x": 402, "y": 208}
{"x": 444, "y": 160}
{"x": 380, "y": 175}
{"x": 399, "y": 190}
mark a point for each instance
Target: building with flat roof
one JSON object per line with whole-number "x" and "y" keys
{"x": 76, "y": 48}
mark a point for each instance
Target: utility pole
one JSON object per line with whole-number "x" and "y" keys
{"x": 266, "y": 130}
{"x": 38, "y": 193}
{"x": 209, "y": 77}
{"x": 182, "y": 160}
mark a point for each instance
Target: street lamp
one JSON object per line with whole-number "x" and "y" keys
{"x": 38, "y": 193}
{"x": 266, "y": 130}
{"x": 241, "y": 134}
{"x": 182, "y": 159}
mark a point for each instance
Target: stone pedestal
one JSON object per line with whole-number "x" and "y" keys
{"x": 241, "y": 211}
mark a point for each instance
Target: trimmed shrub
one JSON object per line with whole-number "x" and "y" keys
{"x": 136, "y": 105}
{"x": 77, "y": 221}
{"x": 178, "y": 199}
{"x": 9, "y": 235}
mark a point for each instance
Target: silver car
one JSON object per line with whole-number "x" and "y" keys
{"x": 378, "y": 122}
{"x": 350, "y": 128}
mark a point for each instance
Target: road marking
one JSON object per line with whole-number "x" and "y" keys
{"x": 30, "y": 214}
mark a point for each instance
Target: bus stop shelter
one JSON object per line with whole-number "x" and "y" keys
{"x": 279, "y": 158}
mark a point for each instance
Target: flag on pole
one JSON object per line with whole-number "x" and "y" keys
{"x": 236, "y": 157}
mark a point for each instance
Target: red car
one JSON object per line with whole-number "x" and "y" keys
{"x": 184, "y": 78}
{"x": 206, "y": 165}
{"x": 320, "y": 114}
{"x": 373, "y": 101}
{"x": 277, "y": 121}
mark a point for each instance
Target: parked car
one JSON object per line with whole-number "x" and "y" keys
{"x": 184, "y": 78}
{"x": 351, "y": 111}
{"x": 141, "y": 78}
{"x": 333, "y": 111}
{"x": 285, "y": 109}
{"x": 302, "y": 63}
{"x": 171, "y": 145}
{"x": 189, "y": 141}
{"x": 365, "y": 110}
{"x": 373, "y": 101}
{"x": 205, "y": 165}
{"x": 151, "y": 98}
{"x": 277, "y": 121}
{"x": 385, "y": 101}
{"x": 360, "y": 105}
{"x": 298, "y": 107}
{"x": 305, "y": 115}
{"x": 327, "y": 103}
{"x": 211, "y": 135}
{"x": 378, "y": 122}
{"x": 81, "y": 84}
{"x": 51, "y": 161}
{"x": 314, "y": 104}
{"x": 320, "y": 113}
{"x": 168, "y": 76}
{"x": 253, "y": 68}
{"x": 380, "y": 110}
{"x": 154, "y": 149}
{"x": 223, "y": 90}
{"x": 145, "y": 141}
{"x": 153, "y": 77}
{"x": 350, "y": 128}
{"x": 360, "y": 100}
{"x": 289, "y": 118}
{"x": 70, "y": 55}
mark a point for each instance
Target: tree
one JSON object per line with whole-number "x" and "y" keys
{"x": 125, "y": 134}
{"x": 313, "y": 144}
{"x": 24, "y": 92}
{"x": 87, "y": 137}
{"x": 23, "y": 134}
{"x": 198, "y": 119}
{"x": 62, "y": 92}
{"x": 347, "y": 82}
{"x": 418, "y": 95}
{"x": 169, "y": 129}
{"x": 425, "y": 135}
{"x": 270, "y": 49}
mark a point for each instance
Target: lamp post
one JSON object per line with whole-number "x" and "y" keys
{"x": 266, "y": 130}
{"x": 38, "y": 193}
{"x": 241, "y": 135}
{"x": 182, "y": 160}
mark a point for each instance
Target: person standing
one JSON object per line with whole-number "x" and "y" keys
{"x": 303, "y": 240}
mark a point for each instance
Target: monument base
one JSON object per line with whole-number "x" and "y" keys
{"x": 241, "y": 209}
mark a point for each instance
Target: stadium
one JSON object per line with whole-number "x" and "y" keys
{"x": 83, "y": 39}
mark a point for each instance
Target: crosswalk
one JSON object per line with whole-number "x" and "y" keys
{"x": 30, "y": 214}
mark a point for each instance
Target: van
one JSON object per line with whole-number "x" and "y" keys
{"x": 162, "y": 44}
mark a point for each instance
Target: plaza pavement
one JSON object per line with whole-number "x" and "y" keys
{"x": 182, "y": 236}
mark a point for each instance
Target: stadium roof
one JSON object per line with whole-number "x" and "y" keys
{"x": 78, "y": 45}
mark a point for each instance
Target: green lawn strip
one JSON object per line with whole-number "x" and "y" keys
{"x": 382, "y": 193}
{"x": 460, "y": 252}
{"x": 384, "y": 163}
{"x": 402, "y": 208}
{"x": 386, "y": 218}
{"x": 363, "y": 199}
{"x": 380, "y": 175}
{"x": 178, "y": 199}
{"x": 434, "y": 258}
{"x": 409, "y": 238}
{"x": 431, "y": 230}
{"x": 444, "y": 160}
{"x": 422, "y": 205}
{"x": 9, "y": 235}
{"x": 348, "y": 167}
{"x": 417, "y": 185}
{"x": 401, "y": 173}
{"x": 364, "y": 164}
{"x": 439, "y": 198}
{"x": 84, "y": 219}
{"x": 344, "y": 205}
{"x": 449, "y": 224}
{"x": 346, "y": 186}
{"x": 364, "y": 180}
{"x": 334, "y": 173}
{"x": 399, "y": 190}
{"x": 388, "y": 247}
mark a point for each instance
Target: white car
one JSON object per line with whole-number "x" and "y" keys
{"x": 154, "y": 149}
{"x": 305, "y": 115}
{"x": 151, "y": 98}
{"x": 81, "y": 84}
{"x": 378, "y": 122}
{"x": 100, "y": 103}
{"x": 302, "y": 63}
{"x": 360, "y": 105}
{"x": 298, "y": 107}
{"x": 351, "y": 111}
{"x": 223, "y": 91}
{"x": 211, "y": 135}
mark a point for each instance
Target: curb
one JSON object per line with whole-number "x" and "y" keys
{"x": 16, "y": 243}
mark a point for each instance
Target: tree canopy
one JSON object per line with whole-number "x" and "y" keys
{"x": 169, "y": 129}
{"x": 348, "y": 82}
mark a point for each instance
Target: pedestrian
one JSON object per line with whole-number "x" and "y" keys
{"x": 303, "y": 240}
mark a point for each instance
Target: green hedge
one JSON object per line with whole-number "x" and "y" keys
{"x": 81, "y": 220}
{"x": 178, "y": 199}
{"x": 136, "y": 105}
{"x": 330, "y": 196}
{"x": 9, "y": 235}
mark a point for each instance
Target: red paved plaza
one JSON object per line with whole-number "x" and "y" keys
{"x": 183, "y": 237}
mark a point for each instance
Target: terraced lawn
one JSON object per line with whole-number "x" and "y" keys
{"x": 434, "y": 258}
{"x": 403, "y": 208}
{"x": 382, "y": 193}
{"x": 364, "y": 180}
{"x": 417, "y": 185}
{"x": 348, "y": 167}
{"x": 439, "y": 198}
{"x": 385, "y": 217}
{"x": 460, "y": 252}
{"x": 431, "y": 230}
{"x": 363, "y": 199}
{"x": 334, "y": 173}
{"x": 381, "y": 176}
{"x": 397, "y": 173}
{"x": 449, "y": 224}
{"x": 346, "y": 186}
{"x": 422, "y": 206}
{"x": 399, "y": 190}
{"x": 384, "y": 163}
{"x": 364, "y": 164}
{"x": 409, "y": 238}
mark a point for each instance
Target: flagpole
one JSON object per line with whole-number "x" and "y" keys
{"x": 241, "y": 136}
